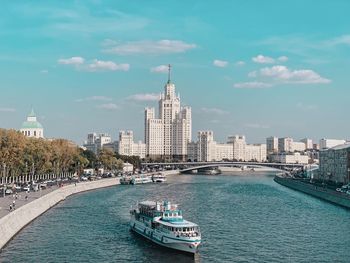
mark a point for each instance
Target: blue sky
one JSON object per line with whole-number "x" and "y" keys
{"x": 257, "y": 68}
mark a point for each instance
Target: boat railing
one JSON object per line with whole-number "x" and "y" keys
{"x": 194, "y": 234}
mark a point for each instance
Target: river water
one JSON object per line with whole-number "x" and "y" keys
{"x": 242, "y": 218}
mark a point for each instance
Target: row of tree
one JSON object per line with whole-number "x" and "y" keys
{"x": 22, "y": 155}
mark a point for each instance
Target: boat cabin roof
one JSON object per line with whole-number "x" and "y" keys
{"x": 182, "y": 223}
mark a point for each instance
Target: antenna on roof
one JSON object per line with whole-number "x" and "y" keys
{"x": 169, "y": 69}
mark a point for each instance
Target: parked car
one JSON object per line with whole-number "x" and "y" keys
{"x": 83, "y": 178}
{"x": 8, "y": 191}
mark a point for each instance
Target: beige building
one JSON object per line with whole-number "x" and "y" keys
{"x": 127, "y": 146}
{"x": 168, "y": 134}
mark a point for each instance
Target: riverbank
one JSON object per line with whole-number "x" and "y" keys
{"x": 14, "y": 221}
{"x": 320, "y": 192}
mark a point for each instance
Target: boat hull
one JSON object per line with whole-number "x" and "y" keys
{"x": 188, "y": 246}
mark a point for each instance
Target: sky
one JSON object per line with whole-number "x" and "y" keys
{"x": 251, "y": 67}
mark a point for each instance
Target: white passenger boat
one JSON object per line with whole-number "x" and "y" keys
{"x": 142, "y": 179}
{"x": 162, "y": 223}
{"x": 159, "y": 178}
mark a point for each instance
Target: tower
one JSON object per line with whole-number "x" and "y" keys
{"x": 168, "y": 134}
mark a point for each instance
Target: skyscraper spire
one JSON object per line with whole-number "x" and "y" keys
{"x": 169, "y": 69}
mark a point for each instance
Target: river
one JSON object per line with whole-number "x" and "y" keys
{"x": 246, "y": 218}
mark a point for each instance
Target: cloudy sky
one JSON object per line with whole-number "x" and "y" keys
{"x": 257, "y": 68}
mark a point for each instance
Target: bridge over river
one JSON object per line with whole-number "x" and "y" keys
{"x": 186, "y": 167}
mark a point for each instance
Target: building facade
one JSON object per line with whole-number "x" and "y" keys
{"x": 330, "y": 143}
{"x": 168, "y": 134}
{"x": 238, "y": 144}
{"x": 335, "y": 164}
{"x": 31, "y": 127}
{"x": 127, "y": 146}
{"x": 285, "y": 145}
{"x": 255, "y": 152}
{"x": 95, "y": 142}
{"x": 271, "y": 145}
{"x": 206, "y": 146}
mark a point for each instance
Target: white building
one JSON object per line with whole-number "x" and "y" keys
{"x": 285, "y": 144}
{"x": 255, "y": 152}
{"x": 291, "y": 158}
{"x": 271, "y": 145}
{"x": 206, "y": 146}
{"x": 127, "y": 146}
{"x": 95, "y": 142}
{"x": 224, "y": 151}
{"x": 31, "y": 127}
{"x": 238, "y": 143}
{"x": 298, "y": 146}
{"x": 308, "y": 143}
{"x": 168, "y": 134}
{"x": 330, "y": 143}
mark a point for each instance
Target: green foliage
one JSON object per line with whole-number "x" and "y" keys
{"x": 134, "y": 160}
{"x": 109, "y": 161}
{"x": 21, "y": 155}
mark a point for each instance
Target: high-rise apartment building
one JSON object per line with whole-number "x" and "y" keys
{"x": 168, "y": 134}
{"x": 127, "y": 146}
{"x": 239, "y": 145}
{"x": 95, "y": 142}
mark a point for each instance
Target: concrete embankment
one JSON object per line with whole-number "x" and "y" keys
{"x": 328, "y": 195}
{"x": 171, "y": 172}
{"x": 12, "y": 223}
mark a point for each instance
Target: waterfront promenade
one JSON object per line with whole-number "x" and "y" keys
{"x": 38, "y": 203}
{"x": 20, "y": 201}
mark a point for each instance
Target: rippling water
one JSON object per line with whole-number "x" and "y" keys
{"x": 242, "y": 219}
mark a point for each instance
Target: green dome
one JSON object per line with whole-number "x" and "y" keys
{"x": 31, "y": 125}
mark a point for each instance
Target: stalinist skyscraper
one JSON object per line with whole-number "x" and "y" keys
{"x": 168, "y": 134}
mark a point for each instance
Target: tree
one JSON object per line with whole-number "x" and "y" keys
{"x": 91, "y": 157}
{"x": 108, "y": 159}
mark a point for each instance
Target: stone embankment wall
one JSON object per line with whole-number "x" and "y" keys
{"x": 11, "y": 224}
{"x": 316, "y": 191}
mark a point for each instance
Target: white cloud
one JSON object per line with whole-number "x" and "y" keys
{"x": 160, "y": 69}
{"x": 71, "y": 61}
{"x": 100, "y": 65}
{"x": 214, "y": 111}
{"x": 94, "y": 98}
{"x": 7, "y": 110}
{"x": 283, "y": 59}
{"x": 283, "y": 74}
{"x": 240, "y": 63}
{"x": 220, "y": 63}
{"x": 108, "y": 106}
{"x": 150, "y": 47}
{"x": 341, "y": 40}
{"x": 261, "y": 59}
{"x": 144, "y": 97}
{"x": 44, "y": 71}
{"x": 252, "y": 85}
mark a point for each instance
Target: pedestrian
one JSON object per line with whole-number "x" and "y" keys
{"x": 26, "y": 198}
{"x": 14, "y": 204}
{"x": 75, "y": 184}
{"x": 16, "y": 196}
{"x": 10, "y": 207}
